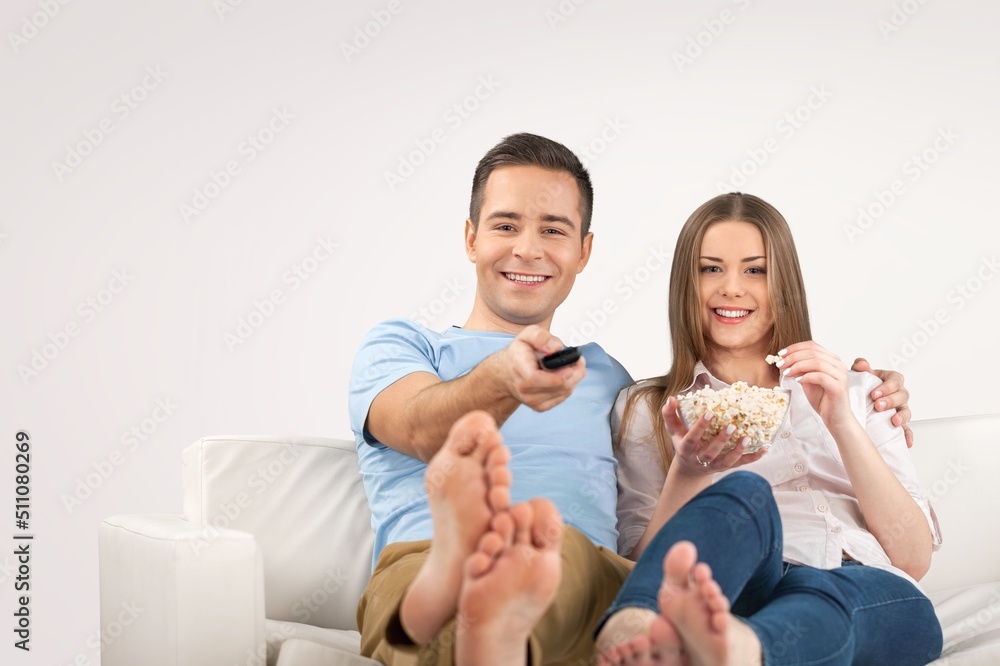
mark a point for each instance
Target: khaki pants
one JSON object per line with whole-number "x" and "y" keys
{"x": 591, "y": 577}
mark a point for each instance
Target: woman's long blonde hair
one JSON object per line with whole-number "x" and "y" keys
{"x": 784, "y": 285}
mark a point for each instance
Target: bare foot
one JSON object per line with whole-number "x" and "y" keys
{"x": 624, "y": 641}
{"x": 694, "y": 609}
{"x": 467, "y": 482}
{"x": 510, "y": 581}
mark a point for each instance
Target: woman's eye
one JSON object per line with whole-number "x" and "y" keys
{"x": 756, "y": 271}
{"x": 710, "y": 269}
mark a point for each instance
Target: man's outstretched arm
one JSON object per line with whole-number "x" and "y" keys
{"x": 890, "y": 394}
{"x": 414, "y": 414}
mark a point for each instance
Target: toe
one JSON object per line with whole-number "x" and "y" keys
{"x": 499, "y": 497}
{"x": 503, "y": 524}
{"x": 524, "y": 516}
{"x": 701, "y": 573}
{"x": 678, "y": 565}
{"x": 478, "y": 564}
{"x": 547, "y": 528}
{"x": 497, "y": 456}
{"x": 490, "y": 544}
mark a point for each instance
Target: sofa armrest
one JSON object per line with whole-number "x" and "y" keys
{"x": 303, "y": 501}
{"x": 167, "y": 599}
{"x": 956, "y": 460}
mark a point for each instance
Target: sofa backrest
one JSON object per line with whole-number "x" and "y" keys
{"x": 303, "y": 500}
{"x": 958, "y": 463}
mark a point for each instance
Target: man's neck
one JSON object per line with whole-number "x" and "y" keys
{"x": 490, "y": 322}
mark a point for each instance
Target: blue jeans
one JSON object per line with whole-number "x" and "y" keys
{"x": 802, "y": 615}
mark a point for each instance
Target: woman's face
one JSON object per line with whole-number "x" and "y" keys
{"x": 735, "y": 305}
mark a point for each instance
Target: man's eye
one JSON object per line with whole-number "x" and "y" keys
{"x": 505, "y": 227}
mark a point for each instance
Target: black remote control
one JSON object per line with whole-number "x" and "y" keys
{"x": 563, "y": 357}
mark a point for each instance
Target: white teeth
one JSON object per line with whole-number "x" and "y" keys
{"x": 732, "y": 313}
{"x": 525, "y": 279}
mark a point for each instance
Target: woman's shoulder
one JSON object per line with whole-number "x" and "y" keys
{"x": 644, "y": 390}
{"x": 641, "y": 400}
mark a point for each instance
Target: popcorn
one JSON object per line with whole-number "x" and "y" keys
{"x": 772, "y": 359}
{"x": 756, "y": 412}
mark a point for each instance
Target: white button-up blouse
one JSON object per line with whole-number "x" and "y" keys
{"x": 820, "y": 516}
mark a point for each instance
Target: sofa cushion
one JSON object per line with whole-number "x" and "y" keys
{"x": 970, "y": 620}
{"x": 291, "y": 639}
{"x": 300, "y": 652}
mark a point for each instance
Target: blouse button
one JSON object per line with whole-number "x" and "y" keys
{"x": 821, "y": 508}
{"x": 835, "y": 529}
{"x": 803, "y": 489}
{"x": 786, "y": 434}
{"x": 799, "y": 467}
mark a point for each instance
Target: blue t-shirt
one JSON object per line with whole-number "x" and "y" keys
{"x": 563, "y": 454}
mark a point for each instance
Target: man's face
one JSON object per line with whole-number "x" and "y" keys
{"x": 527, "y": 249}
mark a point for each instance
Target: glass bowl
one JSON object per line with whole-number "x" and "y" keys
{"x": 756, "y": 412}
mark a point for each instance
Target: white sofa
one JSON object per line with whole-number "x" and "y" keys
{"x": 273, "y": 549}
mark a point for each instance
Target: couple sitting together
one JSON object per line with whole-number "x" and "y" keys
{"x": 525, "y": 515}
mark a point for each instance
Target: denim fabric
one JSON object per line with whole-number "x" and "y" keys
{"x": 802, "y": 615}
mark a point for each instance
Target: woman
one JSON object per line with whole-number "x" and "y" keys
{"x": 814, "y": 557}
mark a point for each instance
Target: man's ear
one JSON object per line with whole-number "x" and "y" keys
{"x": 470, "y": 240}
{"x": 588, "y": 243}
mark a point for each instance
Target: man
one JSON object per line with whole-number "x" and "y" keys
{"x": 426, "y": 407}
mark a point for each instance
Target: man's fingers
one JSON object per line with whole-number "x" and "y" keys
{"x": 861, "y": 365}
{"x": 894, "y": 400}
{"x": 540, "y": 340}
{"x": 892, "y": 382}
{"x": 544, "y": 389}
{"x": 909, "y": 436}
{"x": 902, "y": 416}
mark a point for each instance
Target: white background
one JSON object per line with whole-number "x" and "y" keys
{"x": 884, "y": 79}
